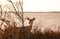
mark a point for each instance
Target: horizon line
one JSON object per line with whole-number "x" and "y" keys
{"x": 33, "y": 12}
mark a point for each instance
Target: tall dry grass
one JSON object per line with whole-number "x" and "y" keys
{"x": 22, "y": 33}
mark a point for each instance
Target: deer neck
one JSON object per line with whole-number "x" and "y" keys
{"x": 30, "y": 26}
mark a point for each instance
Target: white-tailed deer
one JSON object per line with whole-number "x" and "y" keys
{"x": 30, "y": 23}
{"x": 29, "y": 27}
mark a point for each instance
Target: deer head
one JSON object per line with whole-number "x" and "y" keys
{"x": 31, "y": 21}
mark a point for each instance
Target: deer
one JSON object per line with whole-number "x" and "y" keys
{"x": 28, "y": 27}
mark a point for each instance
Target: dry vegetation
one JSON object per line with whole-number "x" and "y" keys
{"x": 22, "y": 33}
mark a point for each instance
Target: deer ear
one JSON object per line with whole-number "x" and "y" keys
{"x": 27, "y": 18}
{"x": 33, "y": 18}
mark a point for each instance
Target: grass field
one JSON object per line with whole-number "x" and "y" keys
{"x": 43, "y": 21}
{"x": 18, "y": 33}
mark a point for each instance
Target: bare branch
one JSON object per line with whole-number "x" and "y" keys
{"x": 0, "y": 11}
{"x": 15, "y": 10}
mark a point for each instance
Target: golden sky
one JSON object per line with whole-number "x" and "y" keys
{"x": 38, "y": 5}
